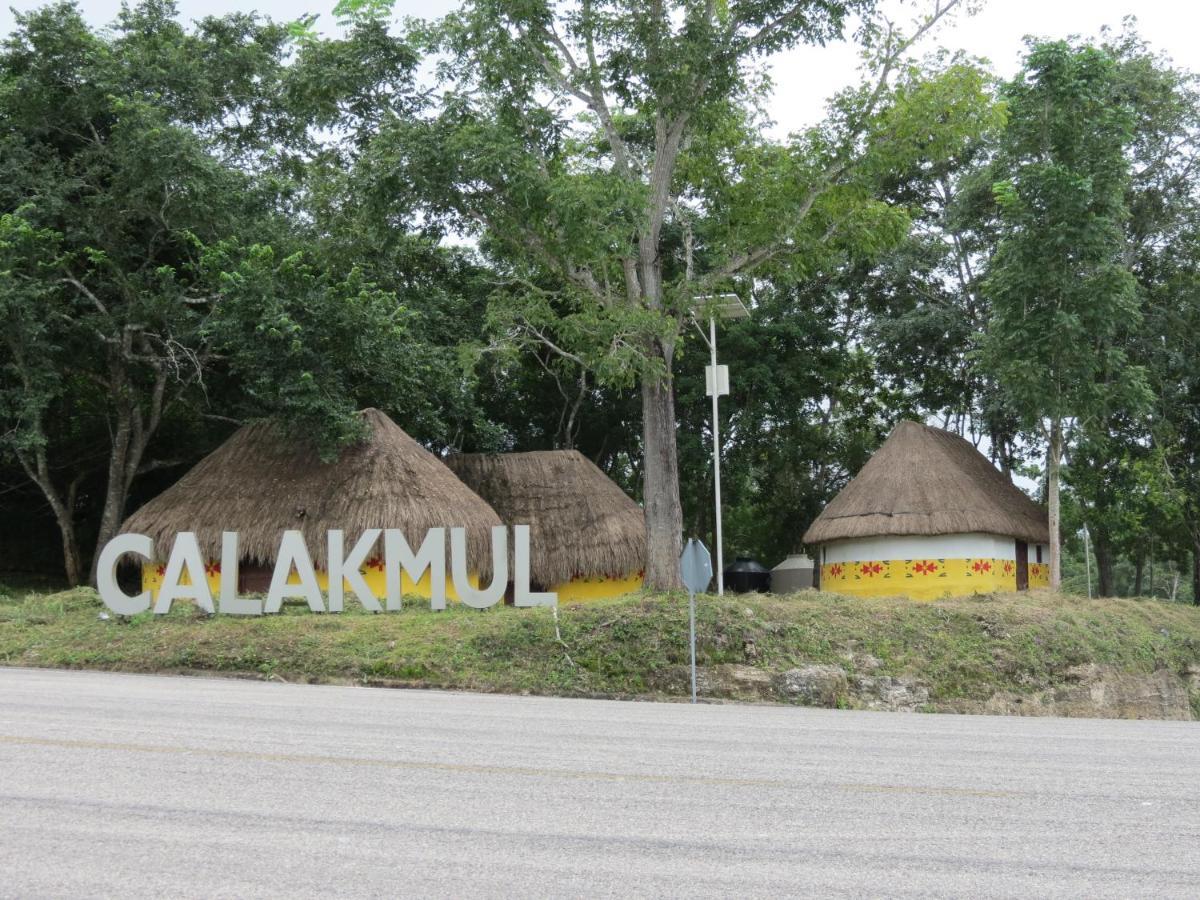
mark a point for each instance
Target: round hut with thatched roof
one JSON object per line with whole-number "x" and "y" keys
{"x": 587, "y": 537}
{"x": 262, "y": 482}
{"x": 929, "y": 516}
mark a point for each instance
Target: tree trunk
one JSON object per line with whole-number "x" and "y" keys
{"x": 129, "y": 442}
{"x": 115, "y": 490}
{"x": 1139, "y": 567}
{"x": 63, "y": 507}
{"x": 1196, "y": 570}
{"x": 664, "y": 514}
{"x": 1151, "y": 594}
{"x": 1053, "y": 460}
{"x": 72, "y": 562}
{"x": 110, "y": 522}
{"x": 123, "y": 466}
{"x": 1104, "y": 565}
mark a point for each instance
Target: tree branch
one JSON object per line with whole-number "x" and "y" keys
{"x": 592, "y": 96}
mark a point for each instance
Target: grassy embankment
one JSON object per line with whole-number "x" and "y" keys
{"x": 962, "y": 650}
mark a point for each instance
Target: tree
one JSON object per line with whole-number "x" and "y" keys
{"x": 1127, "y": 466}
{"x": 617, "y": 148}
{"x": 1170, "y": 348}
{"x": 1163, "y": 243}
{"x": 1061, "y": 290}
{"x": 119, "y": 189}
{"x": 151, "y": 252}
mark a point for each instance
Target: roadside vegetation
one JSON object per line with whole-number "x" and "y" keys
{"x": 962, "y": 652}
{"x": 494, "y": 226}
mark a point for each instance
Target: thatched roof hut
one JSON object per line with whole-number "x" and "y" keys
{"x": 262, "y": 482}
{"x": 926, "y": 481}
{"x": 581, "y": 523}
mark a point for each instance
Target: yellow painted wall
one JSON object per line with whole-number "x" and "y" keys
{"x": 1039, "y": 575}
{"x": 598, "y": 587}
{"x": 152, "y": 578}
{"x": 373, "y": 575}
{"x": 920, "y": 579}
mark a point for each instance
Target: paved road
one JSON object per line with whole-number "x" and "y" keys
{"x": 129, "y": 786}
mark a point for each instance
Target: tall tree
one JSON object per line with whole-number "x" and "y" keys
{"x": 1061, "y": 289}
{"x": 1119, "y": 471}
{"x": 119, "y": 183}
{"x": 1170, "y": 348}
{"x": 144, "y": 259}
{"x": 615, "y": 145}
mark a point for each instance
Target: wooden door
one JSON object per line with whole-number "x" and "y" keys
{"x": 1022, "y": 566}
{"x": 254, "y": 579}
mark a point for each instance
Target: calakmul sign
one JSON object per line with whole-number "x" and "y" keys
{"x": 344, "y": 571}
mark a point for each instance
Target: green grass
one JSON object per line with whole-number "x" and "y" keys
{"x": 965, "y": 649}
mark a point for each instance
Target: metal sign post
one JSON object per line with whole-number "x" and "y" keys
{"x": 695, "y": 567}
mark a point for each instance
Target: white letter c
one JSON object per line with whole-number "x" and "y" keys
{"x": 106, "y": 574}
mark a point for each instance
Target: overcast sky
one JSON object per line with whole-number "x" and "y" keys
{"x": 805, "y": 77}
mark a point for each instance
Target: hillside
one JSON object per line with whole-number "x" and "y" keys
{"x": 1025, "y": 654}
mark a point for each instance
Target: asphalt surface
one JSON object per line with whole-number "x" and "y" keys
{"x": 140, "y": 786}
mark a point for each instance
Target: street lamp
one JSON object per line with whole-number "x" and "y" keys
{"x": 716, "y": 380}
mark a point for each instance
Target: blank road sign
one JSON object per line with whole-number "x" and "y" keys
{"x": 695, "y": 565}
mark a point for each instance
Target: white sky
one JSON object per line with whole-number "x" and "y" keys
{"x": 805, "y": 77}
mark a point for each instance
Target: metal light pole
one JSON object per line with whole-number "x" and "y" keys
{"x": 714, "y": 388}
{"x": 726, "y": 306}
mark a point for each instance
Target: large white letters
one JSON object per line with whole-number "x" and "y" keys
{"x": 106, "y": 573}
{"x": 231, "y": 603}
{"x": 522, "y": 595}
{"x": 348, "y": 567}
{"x": 293, "y": 553}
{"x": 398, "y": 558}
{"x": 489, "y": 596}
{"x": 345, "y": 569}
{"x": 184, "y": 554}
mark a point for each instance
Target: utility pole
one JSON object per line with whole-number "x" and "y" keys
{"x": 716, "y": 378}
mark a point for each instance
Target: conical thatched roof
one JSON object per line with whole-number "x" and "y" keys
{"x": 261, "y": 483}
{"x": 928, "y": 481}
{"x": 581, "y": 523}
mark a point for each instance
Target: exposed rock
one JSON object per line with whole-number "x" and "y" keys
{"x": 725, "y": 682}
{"x": 814, "y": 685}
{"x": 1088, "y": 672}
{"x": 1191, "y": 674}
{"x": 886, "y": 692}
{"x": 865, "y": 662}
{"x": 1095, "y": 691}
{"x": 1087, "y": 690}
{"x": 741, "y": 681}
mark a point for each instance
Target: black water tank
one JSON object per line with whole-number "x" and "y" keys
{"x": 747, "y": 575}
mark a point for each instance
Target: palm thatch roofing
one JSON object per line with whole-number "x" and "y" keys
{"x": 581, "y": 523}
{"x": 926, "y": 481}
{"x": 262, "y": 482}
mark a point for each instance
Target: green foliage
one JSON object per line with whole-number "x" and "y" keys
{"x": 350, "y": 11}
{"x": 243, "y": 218}
{"x": 162, "y": 261}
{"x": 1061, "y": 291}
{"x": 963, "y": 651}
{"x": 305, "y": 343}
